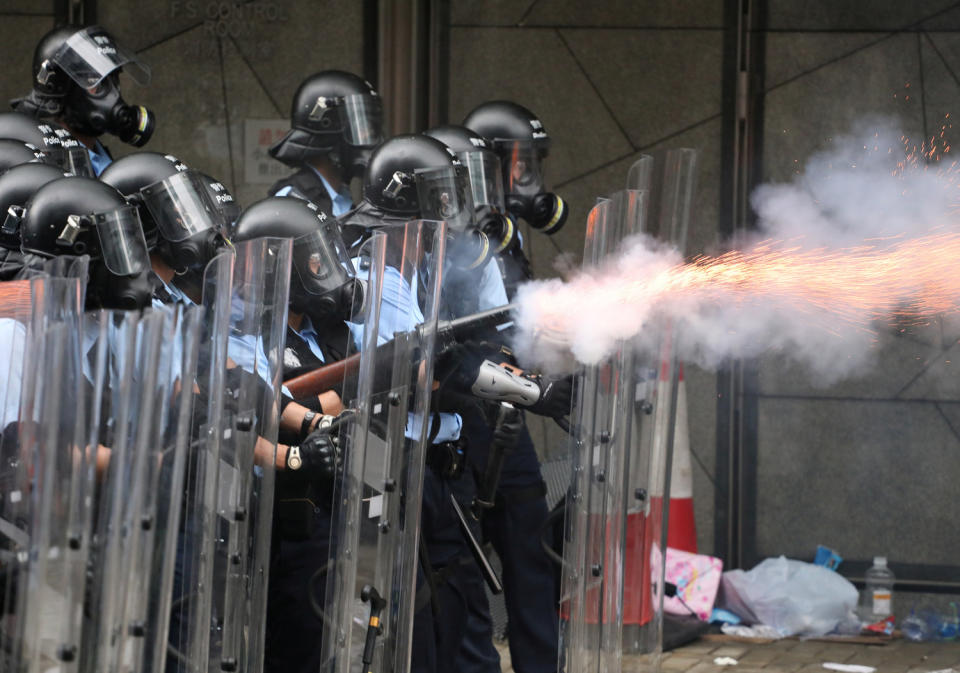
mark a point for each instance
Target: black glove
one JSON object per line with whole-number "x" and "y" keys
{"x": 318, "y": 456}
{"x": 509, "y": 424}
{"x": 555, "y": 395}
{"x": 474, "y": 369}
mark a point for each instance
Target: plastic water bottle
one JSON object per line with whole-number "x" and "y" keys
{"x": 876, "y": 602}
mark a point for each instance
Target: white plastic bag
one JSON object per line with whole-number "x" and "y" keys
{"x": 795, "y": 598}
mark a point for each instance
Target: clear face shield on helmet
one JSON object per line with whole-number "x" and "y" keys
{"x": 522, "y": 162}
{"x": 181, "y": 206}
{"x": 359, "y": 116}
{"x": 444, "y": 194}
{"x": 321, "y": 260}
{"x": 362, "y": 118}
{"x": 89, "y": 55}
{"x": 73, "y": 160}
{"x": 122, "y": 243}
{"x": 486, "y": 179}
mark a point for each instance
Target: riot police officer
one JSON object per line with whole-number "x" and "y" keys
{"x": 335, "y": 122}
{"x": 412, "y": 177}
{"x": 522, "y": 144}
{"x": 322, "y": 291}
{"x": 514, "y": 525}
{"x": 76, "y": 83}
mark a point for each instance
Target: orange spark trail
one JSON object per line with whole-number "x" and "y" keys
{"x": 913, "y": 279}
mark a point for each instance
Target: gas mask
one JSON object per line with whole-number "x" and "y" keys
{"x": 101, "y": 109}
{"x": 325, "y": 286}
{"x": 189, "y": 224}
{"x": 94, "y": 106}
{"x": 499, "y": 229}
{"x": 127, "y": 293}
{"x": 526, "y": 197}
{"x": 444, "y": 194}
{"x": 486, "y": 189}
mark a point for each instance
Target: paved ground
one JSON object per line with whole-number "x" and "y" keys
{"x": 795, "y": 656}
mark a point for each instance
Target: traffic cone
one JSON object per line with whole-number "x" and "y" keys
{"x": 644, "y": 526}
{"x": 682, "y": 526}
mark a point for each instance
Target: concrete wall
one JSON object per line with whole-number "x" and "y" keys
{"x": 216, "y": 65}
{"x": 867, "y": 466}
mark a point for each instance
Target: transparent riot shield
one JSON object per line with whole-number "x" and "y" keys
{"x": 673, "y": 180}
{"x": 592, "y": 583}
{"x": 369, "y": 606}
{"x": 15, "y": 308}
{"x": 158, "y": 475}
{"x": 245, "y": 480}
{"x": 131, "y": 346}
{"x": 188, "y": 642}
{"x": 57, "y": 471}
{"x": 612, "y": 588}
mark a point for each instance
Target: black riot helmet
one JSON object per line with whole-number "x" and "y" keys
{"x": 13, "y": 153}
{"x": 57, "y": 144}
{"x": 522, "y": 144}
{"x": 335, "y": 114}
{"x": 83, "y": 216}
{"x": 224, "y": 201}
{"x": 180, "y": 221}
{"x": 419, "y": 177}
{"x": 75, "y": 71}
{"x": 17, "y": 185}
{"x": 486, "y": 183}
{"x": 323, "y": 285}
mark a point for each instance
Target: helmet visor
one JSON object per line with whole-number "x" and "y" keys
{"x": 321, "y": 260}
{"x": 181, "y": 206}
{"x": 73, "y": 160}
{"x": 486, "y": 181}
{"x": 122, "y": 244}
{"x": 444, "y": 195}
{"x": 522, "y": 166}
{"x": 90, "y": 54}
{"x": 362, "y": 118}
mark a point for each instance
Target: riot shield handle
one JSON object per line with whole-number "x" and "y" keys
{"x": 370, "y": 595}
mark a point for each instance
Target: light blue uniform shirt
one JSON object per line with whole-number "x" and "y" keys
{"x": 13, "y": 335}
{"x": 243, "y": 350}
{"x": 99, "y": 158}
{"x": 493, "y": 293}
{"x": 341, "y": 201}
{"x": 400, "y": 312}
{"x": 308, "y": 333}
{"x": 247, "y": 352}
{"x": 177, "y": 296}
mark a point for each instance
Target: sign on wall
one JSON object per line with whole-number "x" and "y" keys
{"x": 258, "y": 136}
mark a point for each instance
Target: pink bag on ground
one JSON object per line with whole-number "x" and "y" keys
{"x": 697, "y": 578}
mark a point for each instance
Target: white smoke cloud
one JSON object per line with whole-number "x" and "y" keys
{"x": 863, "y": 191}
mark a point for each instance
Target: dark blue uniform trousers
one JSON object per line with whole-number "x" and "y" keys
{"x": 513, "y": 527}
